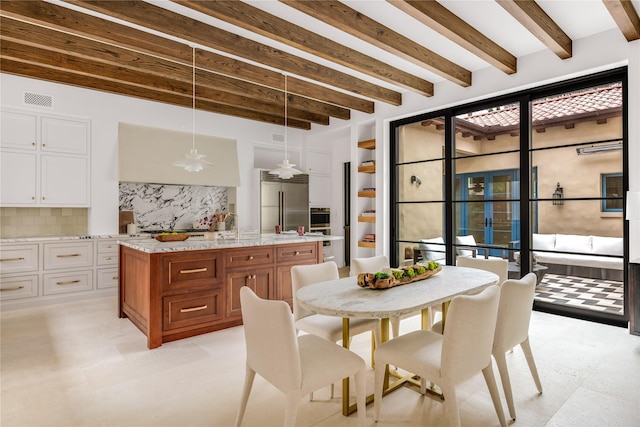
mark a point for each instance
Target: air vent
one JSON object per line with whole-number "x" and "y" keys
{"x": 277, "y": 137}
{"x": 39, "y": 100}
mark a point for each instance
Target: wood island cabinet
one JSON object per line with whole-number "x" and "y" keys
{"x": 175, "y": 295}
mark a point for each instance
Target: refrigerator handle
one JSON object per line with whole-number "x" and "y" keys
{"x": 281, "y": 210}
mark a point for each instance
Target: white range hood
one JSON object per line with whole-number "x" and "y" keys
{"x": 145, "y": 155}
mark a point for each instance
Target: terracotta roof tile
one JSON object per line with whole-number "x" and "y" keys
{"x": 581, "y": 102}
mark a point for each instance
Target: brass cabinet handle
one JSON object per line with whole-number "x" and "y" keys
{"x": 114, "y": 278}
{"x": 195, "y": 270}
{"x": 108, "y": 259}
{"x": 12, "y": 259}
{"x": 250, "y": 257}
{"x": 188, "y": 310}
{"x": 69, "y": 282}
{"x": 297, "y": 252}
{"x": 67, "y": 255}
{"x": 16, "y": 288}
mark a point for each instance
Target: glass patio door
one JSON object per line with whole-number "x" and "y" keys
{"x": 489, "y": 215}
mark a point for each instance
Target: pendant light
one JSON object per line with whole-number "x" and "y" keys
{"x": 285, "y": 170}
{"x": 193, "y": 162}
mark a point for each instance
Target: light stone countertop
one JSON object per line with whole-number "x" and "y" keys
{"x": 344, "y": 298}
{"x": 72, "y": 237}
{"x": 195, "y": 243}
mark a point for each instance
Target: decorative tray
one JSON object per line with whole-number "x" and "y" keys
{"x": 398, "y": 276}
{"x": 178, "y": 237}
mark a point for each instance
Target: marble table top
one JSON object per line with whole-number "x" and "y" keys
{"x": 344, "y": 298}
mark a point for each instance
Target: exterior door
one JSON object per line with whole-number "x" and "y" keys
{"x": 490, "y": 215}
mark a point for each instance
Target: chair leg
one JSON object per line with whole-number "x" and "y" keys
{"x": 452, "y": 411}
{"x": 490, "y": 379}
{"x": 378, "y": 385}
{"x": 501, "y": 361}
{"x": 526, "y": 348}
{"x": 361, "y": 396}
{"x": 291, "y": 409}
{"x": 246, "y": 390}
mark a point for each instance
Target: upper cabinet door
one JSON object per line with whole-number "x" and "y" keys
{"x": 18, "y": 130}
{"x": 319, "y": 162}
{"x": 18, "y": 177}
{"x": 65, "y": 135}
{"x": 65, "y": 181}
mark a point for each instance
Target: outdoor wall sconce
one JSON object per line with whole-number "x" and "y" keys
{"x": 558, "y": 196}
{"x": 416, "y": 180}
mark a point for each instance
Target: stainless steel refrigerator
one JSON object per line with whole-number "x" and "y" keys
{"x": 283, "y": 202}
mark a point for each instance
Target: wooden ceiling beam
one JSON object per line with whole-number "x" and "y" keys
{"x": 260, "y": 22}
{"x": 355, "y": 23}
{"x": 41, "y": 72}
{"x": 440, "y": 19}
{"x": 626, "y": 17}
{"x": 84, "y": 68}
{"x": 93, "y": 28}
{"x": 538, "y": 23}
{"x": 183, "y": 27}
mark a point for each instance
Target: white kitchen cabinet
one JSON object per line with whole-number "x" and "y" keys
{"x": 319, "y": 162}
{"x": 64, "y": 181}
{"x": 319, "y": 191}
{"x": 19, "y": 258}
{"x": 68, "y": 281}
{"x": 68, "y": 255}
{"x": 49, "y": 167}
{"x": 18, "y": 287}
{"x": 18, "y": 130}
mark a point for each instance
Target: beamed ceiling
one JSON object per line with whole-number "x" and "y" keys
{"x": 338, "y": 56}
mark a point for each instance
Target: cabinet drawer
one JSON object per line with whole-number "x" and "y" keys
{"x": 61, "y": 283}
{"x": 18, "y": 259}
{"x": 191, "y": 309}
{"x": 107, "y": 278}
{"x": 68, "y": 255}
{"x": 192, "y": 270}
{"x": 297, "y": 253}
{"x": 108, "y": 259}
{"x": 249, "y": 257}
{"x": 107, "y": 247}
{"x": 18, "y": 287}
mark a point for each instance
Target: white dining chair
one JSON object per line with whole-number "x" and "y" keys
{"x": 498, "y": 266}
{"x": 328, "y": 327}
{"x": 449, "y": 359}
{"x": 295, "y": 365}
{"x": 512, "y": 328}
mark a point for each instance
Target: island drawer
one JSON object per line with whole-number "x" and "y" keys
{"x": 297, "y": 253}
{"x": 194, "y": 270}
{"x": 18, "y": 259}
{"x": 249, "y": 257}
{"x": 195, "y": 308}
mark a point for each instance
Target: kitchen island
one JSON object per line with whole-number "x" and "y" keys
{"x": 175, "y": 290}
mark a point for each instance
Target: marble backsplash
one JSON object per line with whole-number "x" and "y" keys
{"x": 159, "y": 206}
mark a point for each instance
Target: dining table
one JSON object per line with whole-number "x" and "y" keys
{"x": 344, "y": 298}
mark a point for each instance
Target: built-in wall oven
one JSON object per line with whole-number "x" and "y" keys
{"x": 320, "y": 222}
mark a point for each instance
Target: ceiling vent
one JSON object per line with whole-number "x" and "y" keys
{"x": 277, "y": 137}
{"x": 39, "y": 100}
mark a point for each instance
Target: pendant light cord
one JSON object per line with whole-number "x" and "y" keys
{"x": 286, "y": 156}
{"x": 193, "y": 93}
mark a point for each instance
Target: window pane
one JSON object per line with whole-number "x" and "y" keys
{"x": 421, "y": 141}
{"x": 488, "y": 131}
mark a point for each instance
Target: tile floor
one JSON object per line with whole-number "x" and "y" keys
{"x": 77, "y": 364}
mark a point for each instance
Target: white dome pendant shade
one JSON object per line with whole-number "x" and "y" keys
{"x": 192, "y": 161}
{"x": 285, "y": 170}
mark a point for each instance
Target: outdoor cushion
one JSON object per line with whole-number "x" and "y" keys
{"x": 465, "y": 241}
{"x": 573, "y": 243}
{"x": 607, "y": 245}
{"x": 544, "y": 242}
{"x": 432, "y": 252}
